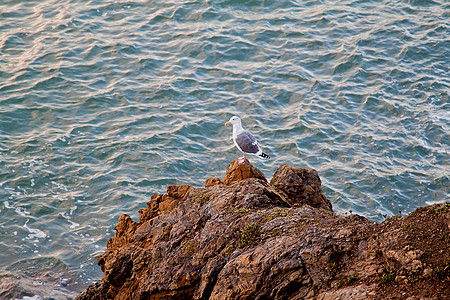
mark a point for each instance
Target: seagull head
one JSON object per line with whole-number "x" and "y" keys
{"x": 234, "y": 121}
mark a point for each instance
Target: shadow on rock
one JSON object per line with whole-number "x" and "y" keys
{"x": 246, "y": 238}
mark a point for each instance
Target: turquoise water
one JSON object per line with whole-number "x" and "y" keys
{"x": 104, "y": 103}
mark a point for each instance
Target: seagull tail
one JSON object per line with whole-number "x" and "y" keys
{"x": 263, "y": 155}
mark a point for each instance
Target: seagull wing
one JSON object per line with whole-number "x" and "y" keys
{"x": 247, "y": 142}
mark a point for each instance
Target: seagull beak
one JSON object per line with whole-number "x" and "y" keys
{"x": 227, "y": 123}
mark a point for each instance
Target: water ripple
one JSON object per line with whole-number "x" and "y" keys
{"x": 103, "y": 104}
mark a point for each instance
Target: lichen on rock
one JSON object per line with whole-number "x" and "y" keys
{"x": 247, "y": 238}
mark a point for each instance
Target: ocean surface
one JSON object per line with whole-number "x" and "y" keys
{"x": 105, "y": 103}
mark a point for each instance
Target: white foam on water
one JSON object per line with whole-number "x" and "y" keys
{"x": 62, "y": 138}
{"x": 35, "y": 297}
{"x": 34, "y": 232}
{"x": 437, "y": 202}
{"x": 22, "y": 211}
{"x": 69, "y": 219}
{"x": 60, "y": 186}
{"x": 19, "y": 210}
{"x": 444, "y": 116}
{"x": 72, "y": 209}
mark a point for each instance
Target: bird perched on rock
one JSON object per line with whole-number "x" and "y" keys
{"x": 244, "y": 140}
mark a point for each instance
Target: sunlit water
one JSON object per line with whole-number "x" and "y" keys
{"x": 104, "y": 103}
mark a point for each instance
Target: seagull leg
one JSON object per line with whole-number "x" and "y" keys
{"x": 241, "y": 159}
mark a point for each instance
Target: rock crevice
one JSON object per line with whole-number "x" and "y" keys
{"x": 247, "y": 238}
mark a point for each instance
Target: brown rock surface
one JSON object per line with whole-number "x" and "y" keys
{"x": 212, "y": 182}
{"x": 236, "y": 172}
{"x": 248, "y": 239}
{"x": 301, "y": 185}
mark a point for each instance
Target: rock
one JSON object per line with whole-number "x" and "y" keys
{"x": 301, "y": 185}
{"x": 160, "y": 203}
{"x": 245, "y": 170}
{"x": 360, "y": 292}
{"x": 280, "y": 262}
{"x": 246, "y": 238}
{"x": 212, "y": 182}
{"x": 408, "y": 260}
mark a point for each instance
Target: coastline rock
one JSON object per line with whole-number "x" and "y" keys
{"x": 213, "y": 181}
{"x": 236, "y": 172}
{"x": 161, "y": 203}
{"x": 301, "y": 185}
{"x": 246, "y": 238}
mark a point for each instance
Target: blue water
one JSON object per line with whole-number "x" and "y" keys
{"x": 104, "y": 103}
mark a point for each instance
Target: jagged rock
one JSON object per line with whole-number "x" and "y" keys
{"x": 160, "y": 203}
{"x": 212, "y": 182}
{"x": 301, "y": 185}
{"x": 237, "y": 171}
{"x": 250, "y": 239}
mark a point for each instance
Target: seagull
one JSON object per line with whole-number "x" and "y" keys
{"x": 244, "y": 140}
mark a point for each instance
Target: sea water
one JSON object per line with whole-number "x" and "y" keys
{"x": 104, "y": 103}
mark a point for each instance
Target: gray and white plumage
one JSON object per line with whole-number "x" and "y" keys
{"x": 244, "y": 140}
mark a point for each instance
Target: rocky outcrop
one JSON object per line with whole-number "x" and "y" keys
{"x": 237, "y": 172}
{"x": 246, "y": 238}
{"x": 300, "y": 186}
